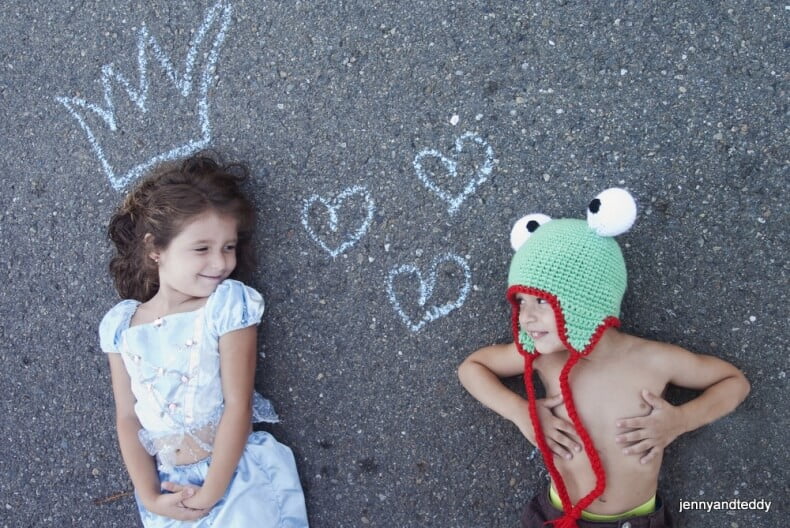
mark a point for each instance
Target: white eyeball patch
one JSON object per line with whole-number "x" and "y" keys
{"x": 612, "y": 212}
{"x": 609, "y": 214}
{"x": 524, "y": 228}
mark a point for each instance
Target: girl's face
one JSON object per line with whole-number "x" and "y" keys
{"x": 201, "y": 256}
{"x": 536, "y": 317}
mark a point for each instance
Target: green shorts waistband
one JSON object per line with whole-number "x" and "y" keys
{"x": 643, "y": 509}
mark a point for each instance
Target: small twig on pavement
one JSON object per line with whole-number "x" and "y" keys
{"x": 112, "y": 498}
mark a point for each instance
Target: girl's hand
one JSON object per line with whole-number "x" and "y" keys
{"x": 652, "y": 433}
{"x": 172, "y": 504}
{"x": 560, "y": 434}
{"x": 199, "y": 502}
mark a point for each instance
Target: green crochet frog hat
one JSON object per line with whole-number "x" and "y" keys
{"x": 576, "y": 266}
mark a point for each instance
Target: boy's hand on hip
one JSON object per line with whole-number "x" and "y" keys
{"x": 560, "y": 435}
{"x": 650, "y": 434}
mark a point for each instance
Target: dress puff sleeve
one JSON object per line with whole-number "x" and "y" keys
{"x": 114, "y": 323}
{"x": 232, "y": 306}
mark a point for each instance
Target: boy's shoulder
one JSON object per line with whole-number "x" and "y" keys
{"x": 649, "y": 353}
{"x": 621, "y": 354}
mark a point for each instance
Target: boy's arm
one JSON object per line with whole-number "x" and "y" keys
{"x": 139, "y": 463}
{"x": 724, "y": 388}
{"x": 480, "y": 375}
{"x": 237, "y": 353}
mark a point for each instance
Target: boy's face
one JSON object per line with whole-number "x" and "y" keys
{"x": 536, "y": 317}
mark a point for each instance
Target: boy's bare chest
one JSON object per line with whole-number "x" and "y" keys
{"x": 603, "y": 391}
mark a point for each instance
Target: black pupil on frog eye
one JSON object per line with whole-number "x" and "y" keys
{"x": 532, "y": 225}
{"x": 595, "y": 206}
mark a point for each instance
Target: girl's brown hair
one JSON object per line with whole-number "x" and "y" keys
{"x": 162, "y": 204}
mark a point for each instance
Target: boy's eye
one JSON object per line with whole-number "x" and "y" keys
{"x": 541, "y": 301}
{"x": 230, "y": 247}
{"x": 524, "y": 301}
{"x": 201, "y": 249}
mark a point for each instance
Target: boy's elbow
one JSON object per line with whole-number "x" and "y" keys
{"x": 465, "y": 371}
{"x": 746, "y": 387}
{"x": 738, "y": 386}
{"x": 461, "y": 371}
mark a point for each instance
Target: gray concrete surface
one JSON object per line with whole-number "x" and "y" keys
{"x": 683, "y": 103}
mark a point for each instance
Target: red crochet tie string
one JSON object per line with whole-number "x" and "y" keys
{"x": 572, "y": 512}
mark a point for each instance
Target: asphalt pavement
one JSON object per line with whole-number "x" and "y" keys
{"x": 392, "y": 145}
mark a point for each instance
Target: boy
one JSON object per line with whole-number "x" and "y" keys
{"x": 602, "y": 428}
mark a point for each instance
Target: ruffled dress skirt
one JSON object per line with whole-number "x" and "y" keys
{"x": 264, "y": 492}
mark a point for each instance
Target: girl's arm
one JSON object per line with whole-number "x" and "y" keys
{"x": 237, "y": 352}
{"x": 139, "y": 464}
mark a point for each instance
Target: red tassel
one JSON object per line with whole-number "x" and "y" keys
{"x": 566, "y": 521}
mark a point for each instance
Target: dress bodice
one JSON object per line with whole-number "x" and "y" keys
{"x": 174, "y": 367}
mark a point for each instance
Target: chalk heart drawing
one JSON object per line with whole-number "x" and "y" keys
{"x": 451, "y": 166}
{"x": 217, "y": 17}
{"x": 333, "y": 205}
{"x": 434, "y": 312}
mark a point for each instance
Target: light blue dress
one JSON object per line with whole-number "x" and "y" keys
{"x": 173, "y": 364}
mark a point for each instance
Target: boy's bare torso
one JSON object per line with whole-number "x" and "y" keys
{"x": 607, "y": 386}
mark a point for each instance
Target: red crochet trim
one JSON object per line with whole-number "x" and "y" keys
{"x": 562, "y": 329}
{"x": 572, "y": 511}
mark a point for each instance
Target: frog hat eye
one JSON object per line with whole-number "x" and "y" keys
{"x": 524, "y": 228}
{"x": 612, "y": 212}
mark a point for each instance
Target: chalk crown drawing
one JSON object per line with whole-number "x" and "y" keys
{"x": 191, "y": 85}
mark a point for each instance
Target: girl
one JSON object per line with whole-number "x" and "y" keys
{"x": 182, "y": 350}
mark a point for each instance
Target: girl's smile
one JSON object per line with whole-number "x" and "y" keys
{"x": 201, "y": 256}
